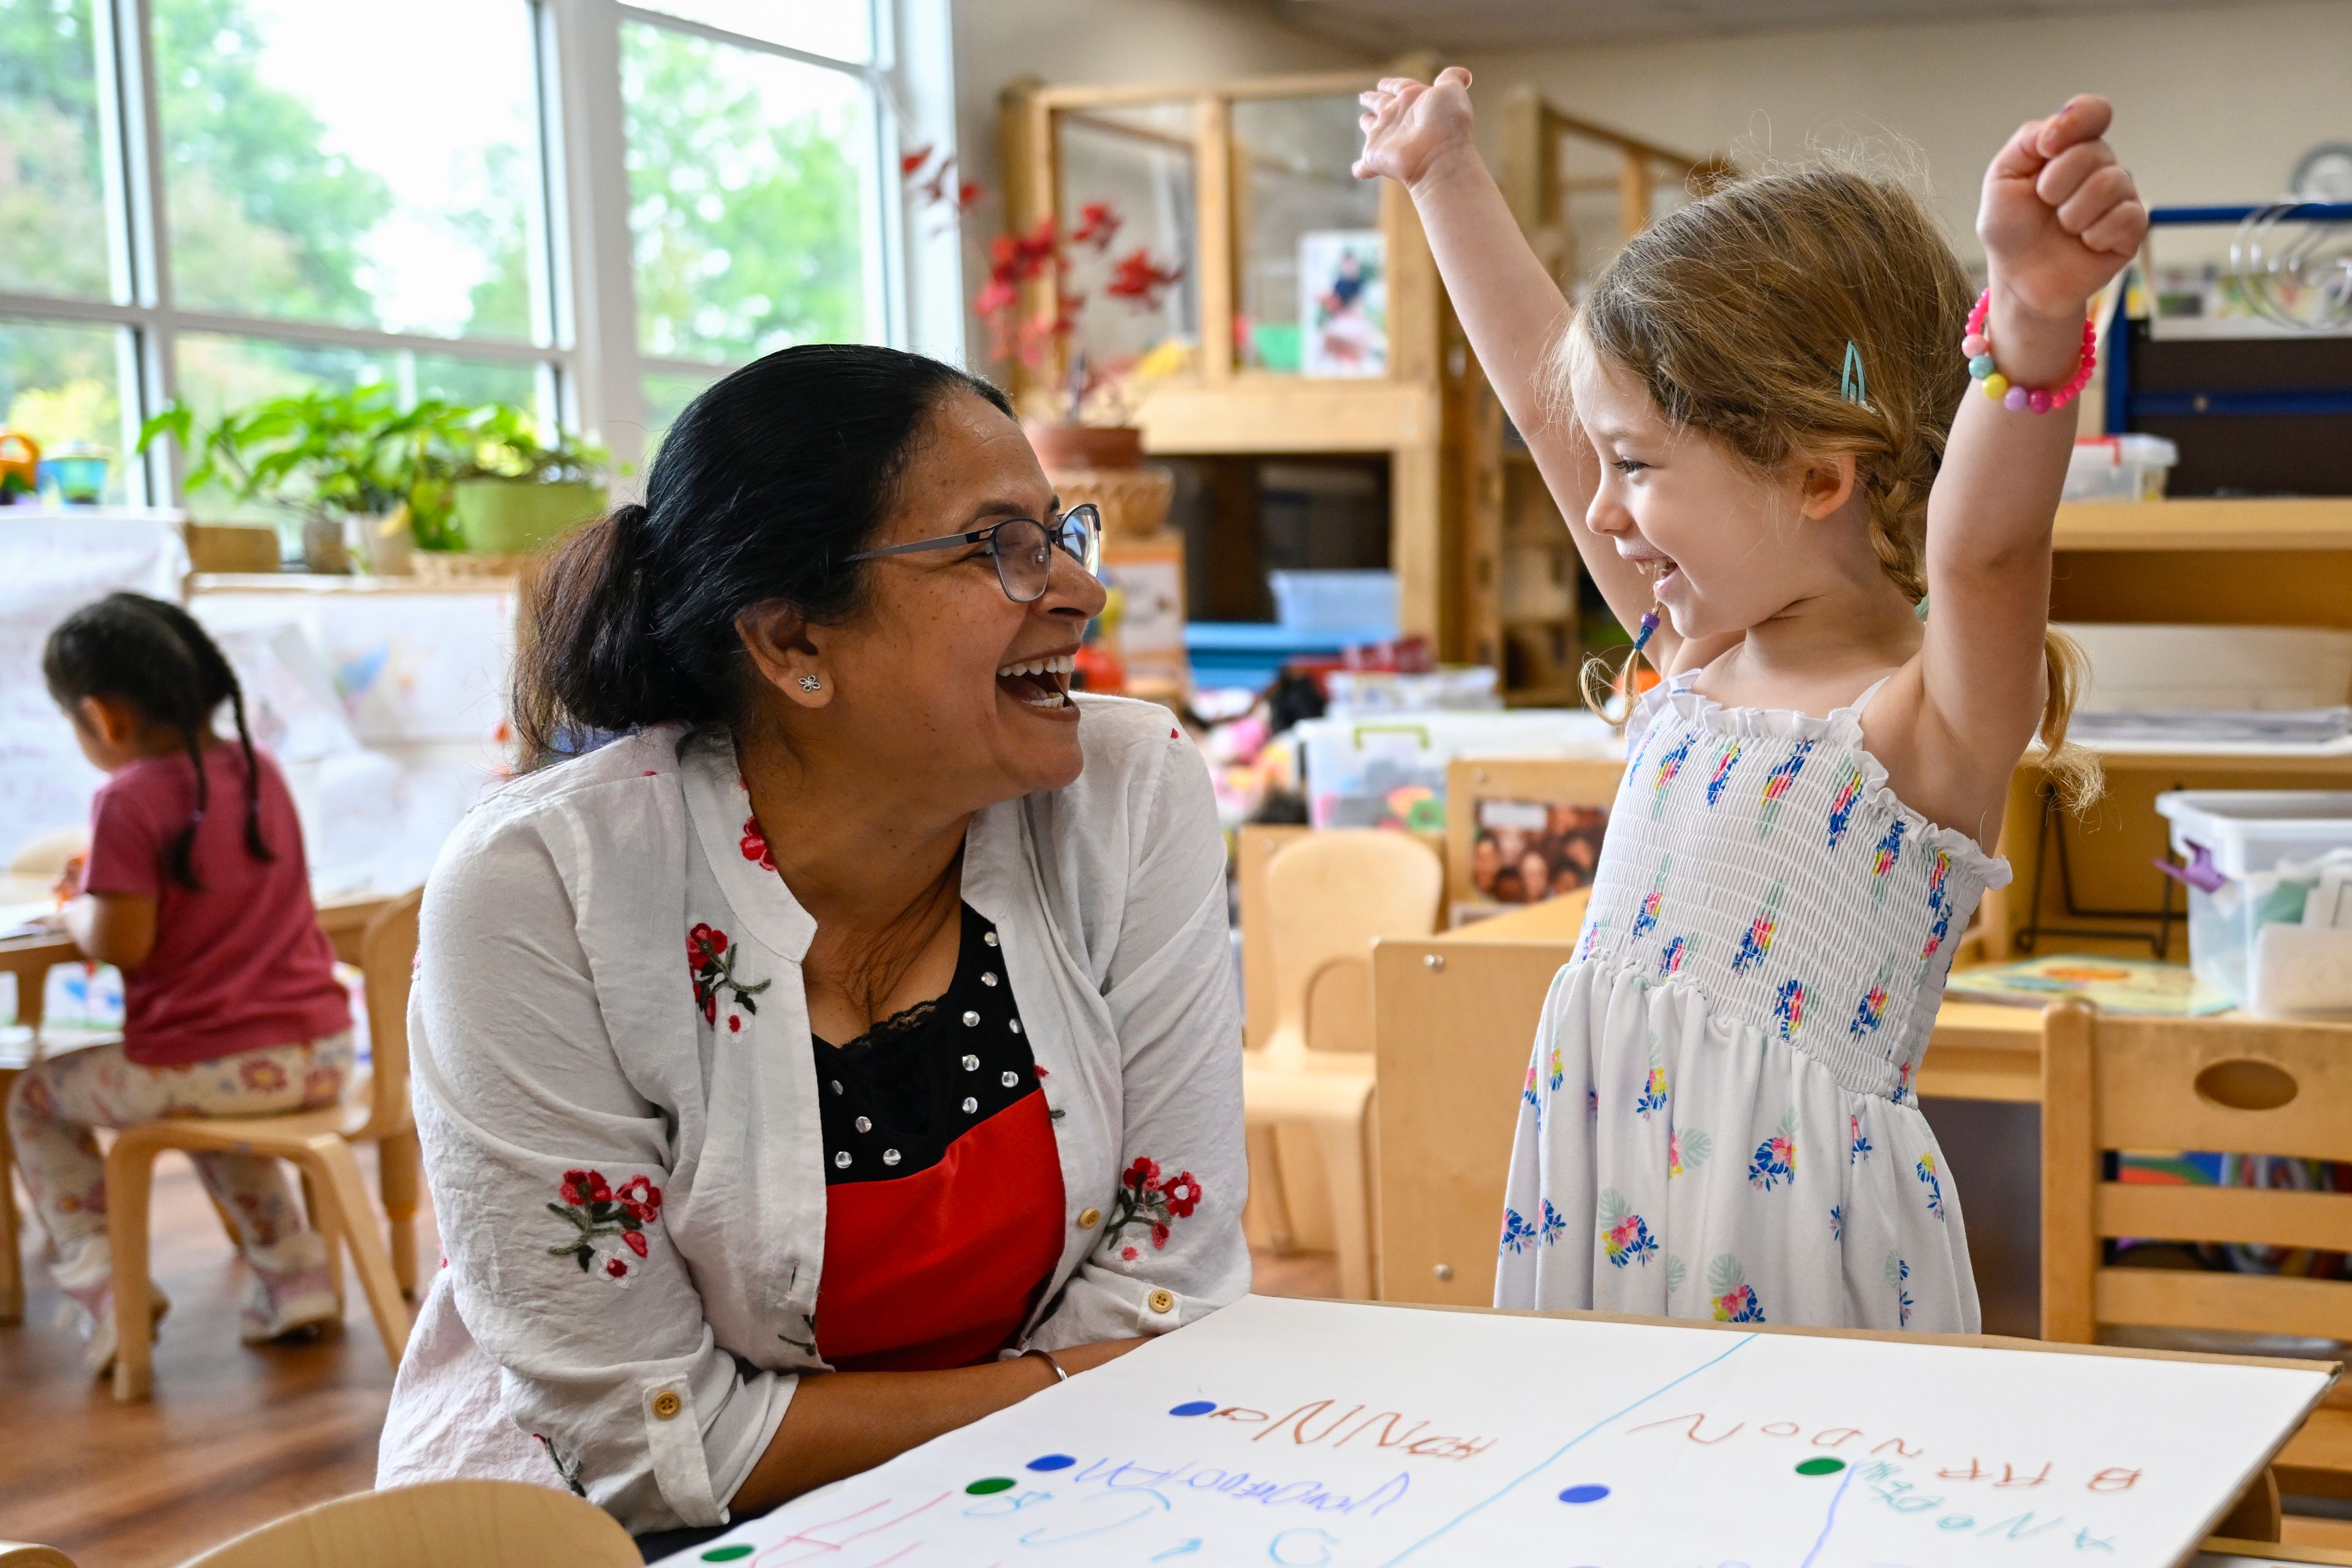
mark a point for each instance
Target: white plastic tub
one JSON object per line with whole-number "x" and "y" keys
{"x": 2255, "y": 859}
{"x": 2119, "y": 468}
{"x": 1388, "y": 770}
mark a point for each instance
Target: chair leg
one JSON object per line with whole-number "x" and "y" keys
{"x": 12, "y": 1259}
{"x": 337, "y": 1172}
{"x": 1342, "y": 1140}
{"x": 400, "y": 1173}
{"x": 129, "y": 1187}
{"x": 323, "y": 1221}
{"x": 1265, "y": 1187}
{"x": 234, "y": 1231}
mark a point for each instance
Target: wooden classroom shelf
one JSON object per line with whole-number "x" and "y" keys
{"x": 2265, "y": 524}
{"x": 1259, "y": 412}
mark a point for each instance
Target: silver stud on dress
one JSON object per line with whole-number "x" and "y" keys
{"x": 1010, "y": 1079}
{"x": 989, "y": 937}
{"x": 972, "y": 1020}
{"x": 1014, "y": 1025}
{"x": 889, "y": 1156}
{"x": 988, "y": 977}
{"x": 970, "y": 1105}
{"x": 971, "y": 1064}
{"x": 841, "y": 1160}
{"x": 865, "y": 1125}
{"x": 836, "y": 1086}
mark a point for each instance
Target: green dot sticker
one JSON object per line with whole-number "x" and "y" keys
{"x": 990, "y": 1484}
{"x": 1821, "y": 1466}
{"x": 726, "y": 1553}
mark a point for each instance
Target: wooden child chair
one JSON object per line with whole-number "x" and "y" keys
{"x": 1330, "y": 897}
{"x": 2148, "y": 1084}
{"x": 375, "y": 1109}
{"x": 513, "y": 1524}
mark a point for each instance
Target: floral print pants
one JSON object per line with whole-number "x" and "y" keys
{"x": 55, "y": 1104}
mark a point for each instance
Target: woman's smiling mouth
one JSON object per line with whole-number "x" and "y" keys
{"x": 1042, "y": 684}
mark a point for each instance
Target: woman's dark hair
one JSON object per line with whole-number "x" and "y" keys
{"x": 153, "y": 655}
{"x": 760, "y": 494}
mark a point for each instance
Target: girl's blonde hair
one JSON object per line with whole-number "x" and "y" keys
{"x": 1738, "y": 310}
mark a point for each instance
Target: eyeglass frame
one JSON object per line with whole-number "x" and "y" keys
{"x": 1090, "y": 563}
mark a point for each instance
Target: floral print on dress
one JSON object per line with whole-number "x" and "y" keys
{"x": 1842, "y": 806}
{"x": 1902, "y": 1071}
{"x": 1646, "y": 920}
{"x": 1554, "y": 1222}
{"x": 1144, "y": 1199}
{"x": 1669, "y": 766}
{"x": 1624, "y": 1236}
{"x": 1774, "y": 1160}
{"x": 1735, "y": 1299}
{"x": 1885, "y": 857}
{"x": 1678, "y": 1272}
{"x": 1653, "y": 1097}
{"x": 1776, "y": 787}
{"x": 1871, "y": 1011}
{"x": 1898, "y": 1278}
{"x": 1594, "y": 930}
{"x": 1671, "y": 956}
{"x": 1788, "y": 1008}
{"x": 1517, "y": 1232}
{"x": 1722, "y": 774}
{"x": 1858, "y": 1147}
{"x": 609, "y": 1222}
{"x": 1755, "y": 945}
{"x": 1939, "y": 869}
{"x": 710, "y": 959}
{"x": 1686, "y": 1151}
{"x": 755, "y": 846}
{"x": 1837, "y": 1223}
{"x": 260, "y": 1075}
{"x": 1926, "y": 1169}
{"x": 1558, "y": 1070}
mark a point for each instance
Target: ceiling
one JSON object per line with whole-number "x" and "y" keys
{"x": 1394, "y": 26}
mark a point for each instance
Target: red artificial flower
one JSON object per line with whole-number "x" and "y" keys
{"x": 1098, "y": 222}
{"x": 911, "y": 160}
{"x": 999, "y": 294}
{"x": 1144, "y": 1173}
{"x": 615, "y": 1268}
{"x": 1039, "y": 1068}
{"x": 755, "y": 848}
{"x": 641, "y": 1199}
{"x": 1183, "y": 1195}
{"x": 1159, "y": 1236}
{"x": 1137, "y": 278}
{"x": 1127, "y": 1254}
{"x": 583, "y": 1187}
{"x": 968, "y": 195}
{"x": 634, "y": 1240}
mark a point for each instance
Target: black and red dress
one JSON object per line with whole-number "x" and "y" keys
{"x": 943, "y": 1184}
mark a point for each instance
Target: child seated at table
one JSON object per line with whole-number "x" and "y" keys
{"x": 195, "y": 888}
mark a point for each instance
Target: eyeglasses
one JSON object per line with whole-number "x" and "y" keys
{"x": 1023, "y": 549}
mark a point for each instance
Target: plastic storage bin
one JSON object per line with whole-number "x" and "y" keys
{"x": 1469, "y": 687}
{"x": 2256, "y": 857}
{"x": 2119, "y": 468}
{"x": 1328, "y": 601}
{"x": 1390, "y": 770}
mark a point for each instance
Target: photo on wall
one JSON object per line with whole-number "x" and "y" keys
{"x": 1343, "y": 299}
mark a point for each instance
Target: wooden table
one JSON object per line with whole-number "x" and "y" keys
{"x": 29, "y": 959}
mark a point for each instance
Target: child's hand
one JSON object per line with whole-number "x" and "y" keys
{"x": 69, "y": 886}
{"x": 1411, "y": 128}
{"x": 2060, "y": 216}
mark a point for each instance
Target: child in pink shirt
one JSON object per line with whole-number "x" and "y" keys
{"x": 195, "y": 888}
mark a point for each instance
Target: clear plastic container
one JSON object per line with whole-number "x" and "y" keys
{"x": 2119, "y": 468}
{"x": 2254, "y": 860}
{"x": 1390, "y": 770}
{"x": 1320, "y": 601}
{"x": 1466, "y": 688}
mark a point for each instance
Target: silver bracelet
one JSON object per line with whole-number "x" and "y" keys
{"x": 1047, "y": 1357}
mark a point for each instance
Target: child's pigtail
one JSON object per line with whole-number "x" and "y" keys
{"x": 183, "y": 852}
{"x": 218, "y": 683}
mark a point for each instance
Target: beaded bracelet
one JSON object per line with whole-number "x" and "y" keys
{"x": 1977, "y": 346}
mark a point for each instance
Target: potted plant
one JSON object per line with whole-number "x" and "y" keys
{"x": 516, "y": 488}
{"x": 346, "y": 464}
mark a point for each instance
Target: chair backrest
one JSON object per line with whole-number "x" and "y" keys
{"x": 512, "y": 1524}
{"x": 25, "y": 1554}
{"x": 1331, "y": 895}
{"x": 2163, "y": 1084}
{"x": 387, "y": 961}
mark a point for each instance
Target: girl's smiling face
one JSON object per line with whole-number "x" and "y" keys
{"x": 1718, "y": 536}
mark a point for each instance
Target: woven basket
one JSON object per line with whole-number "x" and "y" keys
{"x": 1134, "y": 501}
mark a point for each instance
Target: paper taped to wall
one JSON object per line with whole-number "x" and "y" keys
{"x": 1320, "y": 1434}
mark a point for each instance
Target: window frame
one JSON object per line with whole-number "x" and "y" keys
{"x": 584, "y": 342}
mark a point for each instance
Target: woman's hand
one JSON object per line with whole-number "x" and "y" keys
{"x": 2059, "y": 218}
{"x": 1414, "y": 128}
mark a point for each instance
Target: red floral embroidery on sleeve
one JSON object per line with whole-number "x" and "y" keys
{"x": 710, "y": 959}
{"x": 1145, "y": 1201}
{"x": 755, "y": 845}
{"x": 609, "y": 1224}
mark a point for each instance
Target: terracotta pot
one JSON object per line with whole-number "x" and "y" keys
{"x": 1085, "y": 446}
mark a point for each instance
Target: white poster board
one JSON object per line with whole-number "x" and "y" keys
{"x": 1319, "y": 1435}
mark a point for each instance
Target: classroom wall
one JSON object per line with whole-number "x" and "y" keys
{"x": 2212, "y": 104}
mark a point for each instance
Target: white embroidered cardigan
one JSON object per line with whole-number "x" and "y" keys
{"x": 624, "y": 1154}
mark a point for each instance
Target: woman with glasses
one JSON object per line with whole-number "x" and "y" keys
{"x": 846, "y": 1047}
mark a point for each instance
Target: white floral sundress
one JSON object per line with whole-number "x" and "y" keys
{"x": 1719, "y": 1119}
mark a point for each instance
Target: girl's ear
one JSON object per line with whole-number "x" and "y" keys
{"x": 1827, "y": 484}
{"x": 779, "y": 642}
{"x": 107, "y": 718}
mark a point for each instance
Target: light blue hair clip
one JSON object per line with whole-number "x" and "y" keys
{"x": 1921, "y": 609}
{"x": 1851, "y": 385}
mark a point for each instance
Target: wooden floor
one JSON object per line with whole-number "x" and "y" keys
{"x": 236, "y": 1436}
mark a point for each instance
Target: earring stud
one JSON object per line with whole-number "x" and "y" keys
{"x": 811, "y": 683}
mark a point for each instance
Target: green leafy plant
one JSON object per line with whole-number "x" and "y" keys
{"x": 503, "y": 442}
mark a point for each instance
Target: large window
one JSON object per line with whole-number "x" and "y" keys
{"x": 585, "y": 207}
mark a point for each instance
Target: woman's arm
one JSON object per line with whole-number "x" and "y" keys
{"x": 2059, "y": 218}
{"x": 1511, "y": 309}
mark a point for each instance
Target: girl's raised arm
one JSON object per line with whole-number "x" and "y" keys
{"x": 1418, "y": 134}
{"x": 2059, "y": 218}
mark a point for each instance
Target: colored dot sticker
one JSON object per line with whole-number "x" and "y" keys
{"x": 1589, "y": 1492}
{"x": 1051, "y": 1462}
{"x": 726, "y": 1553}
{"x": 988, "y": 1485}
{"x": 1821, "y": 1466}
{"x": 1194, "y": 1407}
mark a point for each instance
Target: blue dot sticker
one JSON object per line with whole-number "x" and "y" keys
{"x": 1051, "y": 1462}
{"x": 1194, "y": 1407}
{"x": 1589, "y": 1492}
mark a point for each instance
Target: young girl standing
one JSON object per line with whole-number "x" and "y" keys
{"x": 195, "y": 888}
{"x": 1750, "y": 426}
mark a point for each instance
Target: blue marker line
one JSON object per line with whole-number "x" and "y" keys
{"x": 1831, "y": 1522}
{"x": 1545, "y": 1464}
